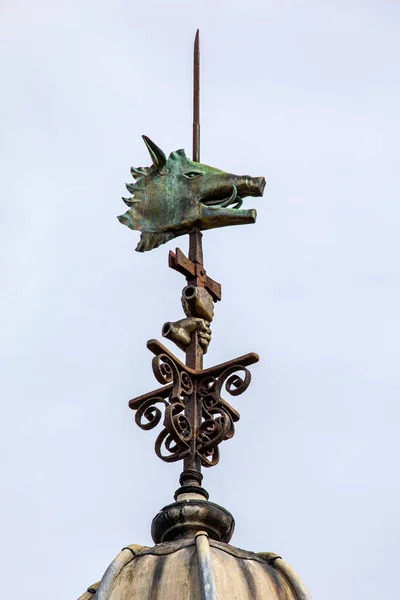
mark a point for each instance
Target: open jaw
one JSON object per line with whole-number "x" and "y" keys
{"x": 232, "y": 196}
{"x": 218, "y": 199}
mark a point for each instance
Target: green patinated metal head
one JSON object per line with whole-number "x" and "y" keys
{"x": 176, "y": 195}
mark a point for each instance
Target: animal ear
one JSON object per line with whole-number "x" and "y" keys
{"x": 178, "y": 155}
{"x": 157, "y": 155}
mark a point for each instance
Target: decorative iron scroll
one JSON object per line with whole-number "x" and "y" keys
{"x": 182, "y": 435}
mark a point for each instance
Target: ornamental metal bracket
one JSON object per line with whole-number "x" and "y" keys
{"x": 196, "y": 416}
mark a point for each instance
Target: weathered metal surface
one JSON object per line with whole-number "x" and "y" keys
{"x": 207, "y": 585}
{"x": 199, "y": 283}
{"x": 92, "y": 589}
{"x": 191, "y": 560}
{"x": 196, "y": 417}
{"x": 171, "y": 570}
{"x": 193, "y": 268}
{"x": 196, "y": 98}
{"x": 195, "y": 349}
{"x": 296, "y": 585}
{"x": 197, "y": 302}
{"x": 177, "y": 194}
{"x": 107, "y": 582}
{"x": 198, "y": 307}
{"x": 181, "y": 332}
{"x": 172, "y": 197}
{"x": 185, "y": 518}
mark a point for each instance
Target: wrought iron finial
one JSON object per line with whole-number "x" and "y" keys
{"x": 173, "y": 197}
{"x": 196, "y": 417}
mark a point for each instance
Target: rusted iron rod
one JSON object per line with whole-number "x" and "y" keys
{"x": 196, "y": 99}
{"x": 194, "y": 353}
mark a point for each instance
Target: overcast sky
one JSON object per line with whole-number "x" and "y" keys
{"x": 306, "y": 94}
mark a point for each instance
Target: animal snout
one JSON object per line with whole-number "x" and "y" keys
{"x": 250, "y": 186}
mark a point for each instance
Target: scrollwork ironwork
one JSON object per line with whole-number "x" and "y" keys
{"x": 234, "y": 384}
{"x": 218, "y": 415}
{"x": 182, "y": 435}
{"x": 164, "y": 368}
{"x": 173, "y": 442}
{"x": 149, "y": 411}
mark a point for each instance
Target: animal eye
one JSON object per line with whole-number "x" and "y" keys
{"x": 192, "y": 174}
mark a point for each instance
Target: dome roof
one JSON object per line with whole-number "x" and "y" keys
{"x": 196, "y": 567}
{"x": 175, "y": 570}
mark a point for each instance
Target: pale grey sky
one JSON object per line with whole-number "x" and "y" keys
{"x": 305, "y": 93}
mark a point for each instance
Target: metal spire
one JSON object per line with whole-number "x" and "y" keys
{"x": 196, "y": 417}
{"x": 196, "y": 98}
{"x": 194, "y": 353}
